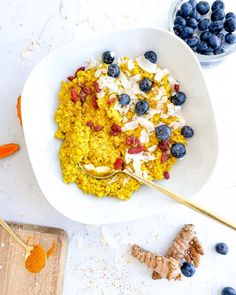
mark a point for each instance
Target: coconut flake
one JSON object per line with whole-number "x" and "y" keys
{"x": 134, "y": 79}
{"x": 160, "y": 74}
{"x": 152, "y": 148}
{"x": 108, "y": 82}
{"x": 99, "y": 169}
{"x": 122, "y": 109}
{"x": 137, "y": 160}
{"x": 92, "y": 63}
{"x": 146, "y": 65}
{"x": 144, "y": 138}
{"x": 172, "y": 81}
{"x": 124, "y": 82}
{"x": 101, "y": 94}
{"x": 130, "y": 65}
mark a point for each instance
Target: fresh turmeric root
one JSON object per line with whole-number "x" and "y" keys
{"x": 186, "y": 247}
{"x": 167, "y": 268}
{"x": 18, "y": 108}
{"x": 8, "y": 149}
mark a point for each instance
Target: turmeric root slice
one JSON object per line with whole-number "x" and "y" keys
{"x": 8, "y": 149}
{"x": 167, "y": 268}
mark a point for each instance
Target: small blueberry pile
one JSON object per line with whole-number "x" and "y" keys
{"x": 207, "y": 30}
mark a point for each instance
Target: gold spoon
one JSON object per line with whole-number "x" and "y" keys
{"x": 194, "y": 206}
{"x": 28, "y": 249}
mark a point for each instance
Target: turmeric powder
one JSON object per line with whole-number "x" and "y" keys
{"x": 8, "y": 149}
{"x": 35, "y": 262}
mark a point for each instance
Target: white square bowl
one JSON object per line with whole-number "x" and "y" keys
{"x": 39, "y": 103}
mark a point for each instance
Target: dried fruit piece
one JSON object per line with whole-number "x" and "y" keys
{"x": 82, "y": 96}
{"x": 166, "y": 175}
{"x": 18, "y": 107}
{"x": 111, "y": 100}
{"x": 177, "y": 87}
{"x": 119, "y": 164}
{"x": 79, "y": 69}
{"x": 115, "y": 130}
{"x": 167, "y": 268}
{"x": 136, "y": 149}
{"x": 164, "y": 158}
{"x": 8, "y": 149}
{"x": 94, "y": 102}
{"x": 130, "y": 140}
{"x": 71, "y": 78}
{"x": 98, "y": 128}
{"x": 89, "y": 124}
{"x": 96, "y": 86}
{"x": 74, "y": 95}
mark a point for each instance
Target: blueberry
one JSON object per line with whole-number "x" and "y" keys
{"x": 151, "y": 55}
{"x": 177, "y": 29}
{"x": 196, "y": 15}
{"x": 193, "y": 3}
{"x": 214, "y": 42}
{"x": 205, "y": 36}
{"x": 202, "y": 47}
{"x": 178, "y": 98}
{"x": 108, "y": 57}
{"x": 217, "y": 5}
{"x": 163, "y": 132}
{"x": 113, "y": 70}
{"x": 204, "y": 24}
{"x": 222, "y": 248}
{"x": 230, "y": 38}
{"x": 192, "y": 22}
{"x": 216, "y": 26}
{"x": 203, "y": 7}
{"x": 187, "y": 32}
{"x": 188, "y": 269}
{"x": 186, "y": 9}
{"x": 219, "y": 50}
{"x": 228, "y": 291}
{"x": 230, "y": 25}
{"x": 230, "y": 15}
{"x": 178, "y": 13}
{"x": 145, "y": 85}
{"x": 187, "y": 131}
{"x": 141, "y": 107}
{"x": 193, "y": 42}
{"x": 124, "y": 99}
{"x": 221, "y": 36}
{"x": 208, "y": 51}
{"x": 178, "y": 150}
{"x": 179, "y": 20}
{"x": 218, "y": 14}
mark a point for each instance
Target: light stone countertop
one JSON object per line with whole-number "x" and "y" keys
{"x": 98, "y": 259}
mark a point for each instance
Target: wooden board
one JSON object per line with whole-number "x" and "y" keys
{"x": 14, "y": 278}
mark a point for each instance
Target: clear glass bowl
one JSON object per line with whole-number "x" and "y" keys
{"x": 230, "y": 5}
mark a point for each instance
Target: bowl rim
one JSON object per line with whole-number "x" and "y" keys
{"x": 201, "y": 57}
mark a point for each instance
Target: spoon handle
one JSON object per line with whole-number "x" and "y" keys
{"x": 15, "y": 237}
{"x": 179, "y": 199}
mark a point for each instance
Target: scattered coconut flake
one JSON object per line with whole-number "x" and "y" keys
{"x": 146, "y": 65}
{"x": 108, "y": 82}
{"x": 108, "y": 238}
{"x": 130, "y": 65}
{"x": 152, "y": 148}
{"x": 174, "y": 125}
{"x": 172, "y": 81}
{"x": 173, "y": 110}
{"x": 92, "y": 63}
{"x": 137, "y": 90}
{"x": 101, "y": 94}
{"x": 144, "y": 138}
{"x": 164, "y": 116}
{"x": 160, "y": 74}
{"x": 151, "y": 113}
{"x": 130, "y": 126}
{"x": 99, "y": 169}
{"x": 98, "y": 73}
{"x": 124, "y": 82}
{"x": 149, "y": 126}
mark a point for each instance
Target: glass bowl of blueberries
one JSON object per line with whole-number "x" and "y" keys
{"x": 208, "y": 27}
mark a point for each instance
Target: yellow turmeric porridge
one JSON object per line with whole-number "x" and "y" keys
{"x": 116, "y": 113}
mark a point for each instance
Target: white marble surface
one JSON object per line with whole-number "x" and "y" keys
{"x": 98, "y": 258}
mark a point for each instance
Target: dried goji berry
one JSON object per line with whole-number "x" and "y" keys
{"x": 114, "y": 133}
{"x": 164, "y": 158}
{"x": 137, "y": 141}
{"x": 176, "y": 87}
{"x": 166, "y": 175}
{"x": 89, "y": 124}
{"x": 96, "y": 86}
{"x": 116, "y": 127}
{"x": 94, "y": 102}
{"x": 82, "y": 96}
{"x": 111, "y": 100}
{"x": 71, "y": 78}
{"x": 119, "y": 164}
{"x": 98, "y": 128}
{"x": 87, "y": 90}
{"x": 136, "y": 149}
{"x": 74, "y": 95}
{"x": 130, "y": 140}
{"x": 164, "y": 145}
